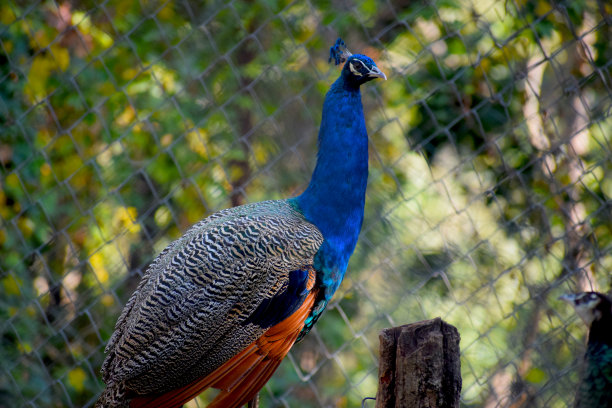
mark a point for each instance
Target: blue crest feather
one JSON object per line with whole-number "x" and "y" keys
{"x": 338, "y": 52}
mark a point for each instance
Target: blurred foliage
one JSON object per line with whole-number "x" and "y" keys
{"x": 122, "y": 123}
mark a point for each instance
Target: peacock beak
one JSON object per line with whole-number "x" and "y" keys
{"x": 377, "y": 73}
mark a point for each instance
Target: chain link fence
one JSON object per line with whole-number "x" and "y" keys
{"x": 124, "y": 122}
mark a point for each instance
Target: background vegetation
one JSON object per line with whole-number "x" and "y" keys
{"x": 124, "y": 122}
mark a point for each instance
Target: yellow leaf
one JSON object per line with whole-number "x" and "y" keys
{"x": 162, "y": 216}
{"x": 45, "y": 170}
{"x": 7, "y": 16}
{"x": 196, "y": 141}
{"x": 105, "y": 40}
{"x": 132, "y": 213}
{"x": 11, "y": 286}
{"x": 261, "y": 154}
{"x": 166, "y": 139}
{"x": 12, "y": 180}
{"x": 165, "y": 77}
{"x": 535, "y": 375}
{"x": 80, "y": 18}
{"x": 61, "y": 57}
{"x": 108, "y": 300}
{"x": 167, "y": 12}
{"x": 129, "y": 73}
{"x": 25, "y": 347}
{"x": 97, "y": 263}
{"x": 126, "y": 117}
{"x": 125, "y": 218}
{"x": 42, "y": 66}
{"x": 40, "y": 70}
{"x": 76, "y": 378}
{"x": 26, "y": 226}
{"x": 543, "y": 7}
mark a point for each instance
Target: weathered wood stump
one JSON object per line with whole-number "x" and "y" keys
{"x": 419, "y": 366}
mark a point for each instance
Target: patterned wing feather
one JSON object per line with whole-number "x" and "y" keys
{"x": 201, "y": 291}
{"x": 243, "y": 375}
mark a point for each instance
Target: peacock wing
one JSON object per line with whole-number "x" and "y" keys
{"x": 210, "y": 294}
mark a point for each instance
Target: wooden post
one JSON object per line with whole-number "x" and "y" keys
{"x": 419, "y": 366}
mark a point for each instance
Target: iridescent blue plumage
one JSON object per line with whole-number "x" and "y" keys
{"x": 338, "y": 52}
{"x": 335, "y": 198}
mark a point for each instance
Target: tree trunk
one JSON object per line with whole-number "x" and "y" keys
{"x": 419, "y": 366}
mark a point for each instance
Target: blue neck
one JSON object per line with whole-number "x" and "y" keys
{"x": 335, "y": 198}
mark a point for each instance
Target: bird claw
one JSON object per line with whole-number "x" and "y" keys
{"x": 338, "y": 52}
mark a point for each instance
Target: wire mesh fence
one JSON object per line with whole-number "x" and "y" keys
{"x": 123, "y": 123}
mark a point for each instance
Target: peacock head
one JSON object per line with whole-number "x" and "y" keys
{"x": 590, "y": 306}
{"x": 358, "y": 69}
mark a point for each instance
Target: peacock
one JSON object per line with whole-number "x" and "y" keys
{"x": 595, "y": 389}
{"x": 221, "y": 306}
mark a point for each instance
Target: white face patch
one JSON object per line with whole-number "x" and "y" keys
{"x": 587, "y": 315}
{"x": 585, "y": 308}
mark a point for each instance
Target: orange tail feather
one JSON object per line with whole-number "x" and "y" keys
{"x": 242, "y": 376}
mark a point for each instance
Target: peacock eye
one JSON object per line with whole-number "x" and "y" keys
{"x": 354, "y": 70}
